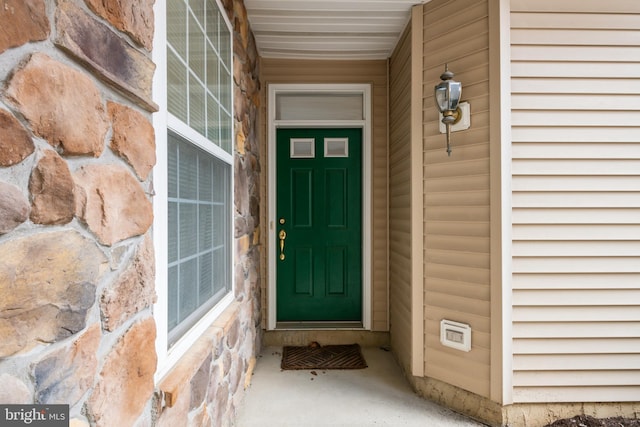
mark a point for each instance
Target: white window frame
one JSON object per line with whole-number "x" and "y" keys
{"x": 163, "y": 121}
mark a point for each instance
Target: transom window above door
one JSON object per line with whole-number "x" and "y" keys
{"x": 319, "y": 106}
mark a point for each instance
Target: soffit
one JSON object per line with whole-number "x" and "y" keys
{"x": 328, "y": 29}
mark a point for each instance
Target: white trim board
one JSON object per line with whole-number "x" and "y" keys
{"x": 365, "y": 124}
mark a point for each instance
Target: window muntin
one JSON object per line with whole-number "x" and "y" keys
{"x": 199, "y": 237}
{"x": 199, "y": 163}
{"x": 199, "y": 80}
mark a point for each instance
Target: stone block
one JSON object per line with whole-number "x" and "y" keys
{"x": 133, "y": 138}
{"x": 112, "y": 203}
{"x": 240, "y": 226}
{"x": 109, "y": 55}
{"x": 240, "y": 288}
{"x": 242, "y": 246}
{"x": 14, "y": 207}
{"x": 218, "y": 345}
{"x": 200, "y": 417}
{"x": 22, "y": 21}
{"x": 47, "y": 284}
{"x": 240, "y": 142}
{"x": 242, "y": 185}
{"x": 242, "y": 22}
{"x": 14, "y": 391}
{"x": 176, "y": 383}
{"x": 52, "y": 191}
{"x": 246, "y": 349}
{"x": 226, "y": 362}
{"x": 253, "y": 276}
{"x": 228, "y": 7}
{"x": 236, "y": 374}
{"x": 256, "y": 238}
{"x": 254, "y": 209}
{"x": 134, "y": 17}
{"x": 233, "y": 334}
{"x": 199, "y": 384}
{"x": 67, "y": 374}
{"x": 216, "y": 377}
{"x": 175, "y": 415}
{"x": 15, "y": 142}
{"x": 126, "y": 379}
{"x": 61, "y": 104}
{"x": 133, "y": 291}
{"x": 220, "y": 404}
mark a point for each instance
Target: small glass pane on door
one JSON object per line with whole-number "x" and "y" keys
{"x": 336, "y": 147}
{"x": 303, "y": 148}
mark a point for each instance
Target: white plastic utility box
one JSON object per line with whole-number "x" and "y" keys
{"x": 455, "y": 335}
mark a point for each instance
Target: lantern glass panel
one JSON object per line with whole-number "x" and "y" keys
{"x": 442, "y": 95}
{"x": 447, "y": 95}
{"x": 455, "y": 92}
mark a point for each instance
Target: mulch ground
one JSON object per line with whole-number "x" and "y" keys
{"x": 586, "y": 421}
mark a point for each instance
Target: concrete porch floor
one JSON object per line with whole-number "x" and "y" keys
{"x": 376, "y": 396}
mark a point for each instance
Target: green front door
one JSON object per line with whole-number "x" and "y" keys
{"x": 319, "y": 225}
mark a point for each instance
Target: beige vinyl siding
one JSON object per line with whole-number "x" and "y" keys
{"x": 576, "y": 200}
{"x": 372, "y": 72}
{"x": 456, "y": 196}
{"x": 400, "y": 231}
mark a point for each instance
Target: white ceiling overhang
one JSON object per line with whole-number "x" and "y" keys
{"x": 328, "y": 29}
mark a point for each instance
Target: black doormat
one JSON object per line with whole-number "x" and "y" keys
{"x": 315, "y": 356}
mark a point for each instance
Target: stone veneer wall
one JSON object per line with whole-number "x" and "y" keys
{"x": 77, "y": 270}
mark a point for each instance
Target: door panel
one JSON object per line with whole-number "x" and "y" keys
{"x": 336, "y": 198}
{"x": 336, "y": 270}
{"x": 303, "y": 266}
{"x": 319, "y": 210}
{"x": 301, "y": 198}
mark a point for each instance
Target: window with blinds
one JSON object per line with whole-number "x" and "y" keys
{"x": 200, "y": 162}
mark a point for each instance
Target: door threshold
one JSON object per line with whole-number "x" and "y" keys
{"x": 288, "y": 326}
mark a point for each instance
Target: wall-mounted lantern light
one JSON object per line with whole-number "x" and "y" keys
{"x": 447, "y": 94}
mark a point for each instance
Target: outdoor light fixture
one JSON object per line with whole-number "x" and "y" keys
{"x": 447, "y": 94}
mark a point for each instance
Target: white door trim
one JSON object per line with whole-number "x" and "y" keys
{"x": 365, "y": 124}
